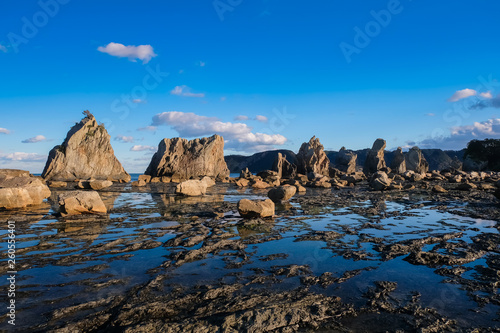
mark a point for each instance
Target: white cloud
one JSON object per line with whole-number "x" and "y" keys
{"x": 142, "y": 148}
{"x": 132, "y": 52}
{"x": 238, "y": 136}
{"x": 461, "y": 135}
{"x": 185, "y": 91}
{"x": 202, "y": 64}
{"x": 461, "y": 94}
{"x": 139, "y": 101}
{"x": 148, "y": 129}
{"x": 25, "y": 157}
{"x": 35, "y": 139}
{"x": 486, "y": 95}
{"x": 262, "y": 119}
{"x": 430, "y": 114}
{"x": 223, "y": 98}
{"x": 4, "y": 131}
{"x": 241, "y": 118}
{"x": 3, "y": 48}
{"x": 124, "y": 138}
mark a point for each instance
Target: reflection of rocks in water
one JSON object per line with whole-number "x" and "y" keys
{"x": 81, "y": 229}
{"x": 109, "y": 199}
{"x": 32, "y": 214}
{"x": 254, "y": 228}
{"x": 202, "y": 206}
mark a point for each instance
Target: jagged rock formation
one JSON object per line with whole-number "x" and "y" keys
{"x": 184, "y": 159}
{"x": 415, "y": 161}
{"x": 284, "y": 168}
{"x": 19, "y": 189}
{"x": 375, "y": 158}
{"x": 398, "y": 164}
{"x": 312, "y": 158}
{"x": 346, "y": 160}
{"x": 86, "y": 153}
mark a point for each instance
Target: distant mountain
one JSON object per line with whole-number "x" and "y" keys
{"x": 257, "y": 162}
{"x": 438, "y": 159}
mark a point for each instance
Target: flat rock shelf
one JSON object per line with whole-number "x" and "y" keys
{"x": 329, "y": 261}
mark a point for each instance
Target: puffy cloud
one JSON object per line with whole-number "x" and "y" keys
{"x": 461, "y": 135}
{"x": 202, "y": 63}
{"x": 185, "y": 91}
{"x": 461, "y": 94}
{"x": 132, "y": 52}
{"x": 262, "y": 119}
{"x": 35, "y": 139}
{"x": 486, "y": 95}
{"x": 430, "y": 114}
{"x": 238, "y": 136}
{"x": 241, "y": 118}
{"x": 147, "y": 129}
{"x": 4, "y": 131}
{"x": 25, "y": 157}
{"x": 142, "y": 148}
{"x": 123, "y": 138}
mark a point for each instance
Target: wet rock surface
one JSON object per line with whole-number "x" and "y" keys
{"x": 330, "y": 260}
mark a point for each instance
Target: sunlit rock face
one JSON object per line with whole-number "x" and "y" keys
{"x": 86, "y": 153}
{"x": 184, "y": 159}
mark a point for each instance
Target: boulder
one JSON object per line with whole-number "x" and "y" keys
{"x": 86, "y": 153}
{"x": 346, "y": 161}
{"x": 270, "y": 177}
{"x": 259, "y": 184}
{"x": 255, "y": 209}
{"x": 80, "y": 202}
{"x": 282, "y": 193}
{"x": 398, "y": 164}
{"x": 139, "y": 183}
{"x": 57, "y": 184}
{"x": 312, "y": 158}
{"x": 380, "y": 181}
{"x": 18, "y": 189}
{"x": 99, "y": 184}
{"x": 209, "y": 182}
{"x": 242, "y": 182}
{"x": 191, "y": 188}
{"x": 284, "y": 168}
{"x": 415, "y": 161}
{"x": 183, "y": 159}
{"x": 375, "y": 158}
{"x": 438, "y": 189}
{"x": 145, "y": 178}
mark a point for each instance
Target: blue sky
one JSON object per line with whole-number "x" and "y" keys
{"x": 265, "y": 74}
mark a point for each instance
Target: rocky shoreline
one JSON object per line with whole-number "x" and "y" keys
{"x": 307, "y": 246}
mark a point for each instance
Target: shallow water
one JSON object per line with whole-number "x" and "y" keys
{"x": 63, "y": 263}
